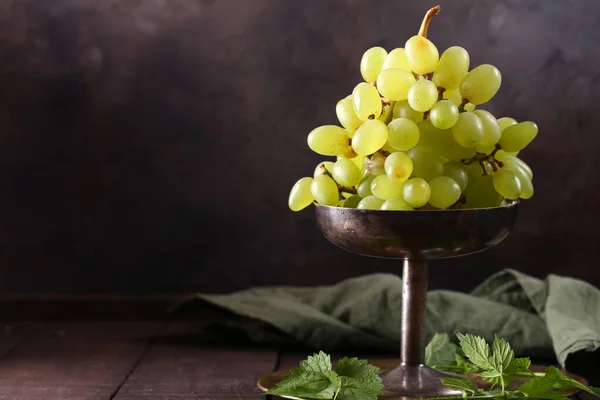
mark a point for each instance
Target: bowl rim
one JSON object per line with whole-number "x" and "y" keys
{"x": 509, "y": 205}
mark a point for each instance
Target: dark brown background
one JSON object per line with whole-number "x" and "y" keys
{"x": 150, "y": 145}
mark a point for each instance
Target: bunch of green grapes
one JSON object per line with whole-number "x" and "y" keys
{"x": 413, "y": 135}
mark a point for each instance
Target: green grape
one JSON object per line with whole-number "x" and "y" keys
{"x": 422, "y": 95}
{"x": 481, "y": 84}
{"x": 403, "y": 134}
{"x": 453, "y": 96}
{"x": 485, "y": 149}
{"x": 469, "y": 107}
{"x": 396, "y": 59}
{"x": 346, "y": 173}
{"x": 323, "y": 168}
{"x": 398, "y": 166}
{"x": 505, "y": 122}
{"x": 387, "y": 147}
{"x": 370, "y": 137}
{"x": 440, "y": 142}
{"x": 359, "y": 161}
{"x": 425, "y": 165}
{"x": 526, "y": 189}
{"x": 352, "y": 201}
{"x": 370, "y": 203}
{"x": 444, "y": 192}
{"x": 386, "y": 113}
{"x": 444, "y": 114}
{"x": 372, "y": 62}
{"x": 452, "y": 68}
{"x": 526, "y": 185}
{"x": 364, "y": 187}
{"x": 349, "y": 152}
{"x": 507, "y": 184}
{"x": 416, "y": 192}
{"x": 403, "y": 110}
{"x": 517, "y": 137}
{"x": 525, "y": 167}
{"x": 421, "y": 54}
{"x": 385, "y": 188}
{"x": 396, "y": 204}
{"x": 325, "y": 190}
{"x": 366, "y": 101}
{"x": 457, "y": 172}
{"x": 480, "y": 192}
{"x": 468, "y": 130}
{"x": 344, "y": 110}
{"x": 491, "y": 128}
{"x": 300, "y": 195}
{"x": 393, "y": 84}
{"x": 328, "y": 140}
{"x": 507, "y": 156}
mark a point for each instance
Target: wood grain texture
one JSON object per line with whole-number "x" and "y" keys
{"x": 85, "y": 360}
{"x": 149, "y": 146}
{"x": 177, "y": 369}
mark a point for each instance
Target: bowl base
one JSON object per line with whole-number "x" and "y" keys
{"x": 416, "y": 381}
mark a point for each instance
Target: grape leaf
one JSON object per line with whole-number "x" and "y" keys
{"x": 466, "y": 367}
{"x": 561, "y": 381}
{"x": 440, "y": 350}
{"x": 368, "y": 388}
{"x": 353, "y": 379}
{"x": 306, "y": 384}
{"x": 521, "y": 364}
{"x": 495, "y": 377}
{"x": 476, "y": 350}
{"x": 459, "y": 384}
{"x": 355, "y": 368}
{"x": 541, "y": 388}
{"x": 503, "y": 354}
{"x": 317, "y": 362}
{"x": 360, "y": 380}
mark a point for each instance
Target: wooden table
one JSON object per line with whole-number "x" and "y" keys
{"x": 120, "y": 348}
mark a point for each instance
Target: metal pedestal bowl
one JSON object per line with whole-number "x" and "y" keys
{"x": 415, "y": 237}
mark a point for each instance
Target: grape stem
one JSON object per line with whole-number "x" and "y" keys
{"x": 427, "y": 19}
{"x": 341, "y": 188}
{"x": 441, "y": 91}
{"x": 486, "y": 160}
{"x": 463, "y": 103}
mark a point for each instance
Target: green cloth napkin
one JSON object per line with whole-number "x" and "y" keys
{"x": 556, "y": 316}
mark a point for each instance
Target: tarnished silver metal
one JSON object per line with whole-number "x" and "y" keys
{"x": 415, "y": 236}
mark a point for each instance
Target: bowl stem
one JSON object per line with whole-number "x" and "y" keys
{"x": 414, "y": 312}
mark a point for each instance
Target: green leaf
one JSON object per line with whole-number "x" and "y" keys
{"x": 317, "y": 363}
{"x": 306, "y": 384}
{"x": 595, "y": 390}
{"x": 503, "y": 354}
{"x": 368, "y": 388}
{"x": 541, "y": 388}
{"x": 440, "y": 351}
{"x": 334, "y": 378}
{"x": 355, "y": 368}
{"x": 459, "y": 384}
{"x": 476, "y": 350}
{"x": 360, "y": 380}
{"x": 353, "y": 379}
{"x": 521, "y": 364}
{"x": 561, "y": 381}
{"x": 466, "y": 367}
{"x": 496, "y": 378}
